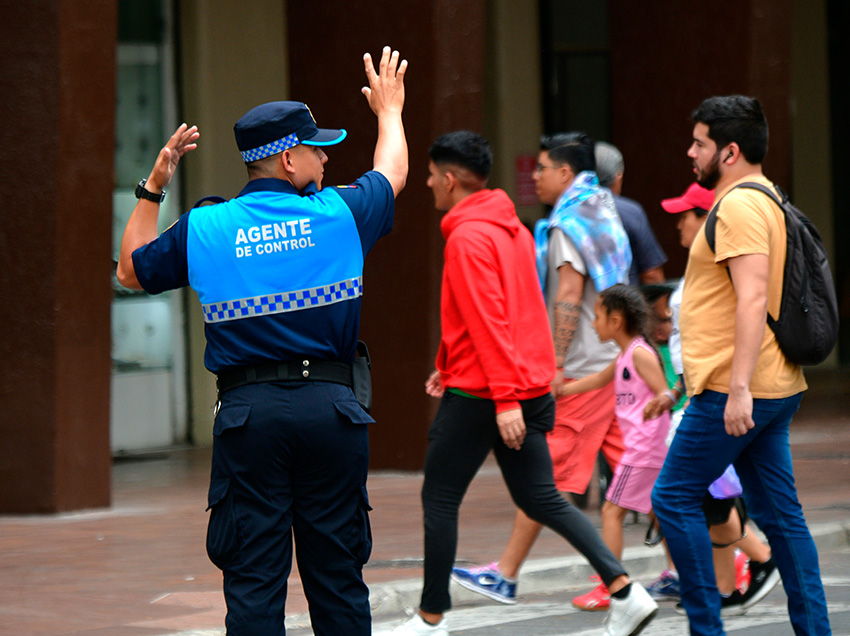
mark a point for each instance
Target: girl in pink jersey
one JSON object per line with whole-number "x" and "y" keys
{"x": 621, "y": 314}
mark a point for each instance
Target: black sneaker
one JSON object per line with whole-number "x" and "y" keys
{"x": 763, "y": 578}
{"x": 732, "y": 605}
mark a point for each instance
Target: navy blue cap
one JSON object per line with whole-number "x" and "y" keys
{"x": 272, "y": 128}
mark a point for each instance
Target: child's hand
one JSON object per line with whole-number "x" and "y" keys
{"x": 656, "y": 406}
{"x": 557, "y": 382}
{"x": 564, "y": 388}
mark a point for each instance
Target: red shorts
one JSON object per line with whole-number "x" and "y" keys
{"x": 584, "y": 425}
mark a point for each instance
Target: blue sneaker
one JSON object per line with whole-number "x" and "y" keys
{"x": 486, "y": 580}
{"x": 665, "y": 587}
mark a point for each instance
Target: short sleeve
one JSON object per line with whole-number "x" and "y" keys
{"x": 742, "y": 227}
{"x": 162, "y": 264}
{"x": 563, "y": 251}
{"x": 372, "y": 203}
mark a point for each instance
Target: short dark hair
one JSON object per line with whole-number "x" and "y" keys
{"x": 463, "y": 148}
{"x": 735, "y": 118}
{"x": 573, "y": 148}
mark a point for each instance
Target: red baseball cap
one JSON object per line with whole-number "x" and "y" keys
{"x": 695, "y": 197}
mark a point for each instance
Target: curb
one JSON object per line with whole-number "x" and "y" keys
{"x": 537, "y": 575}
{"x": 563, "y": 574}
{"x": 400, "y": 597}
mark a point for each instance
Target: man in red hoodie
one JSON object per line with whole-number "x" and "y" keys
{"x": 494, "y": 368}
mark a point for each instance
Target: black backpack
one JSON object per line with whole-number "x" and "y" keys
{"x": 807, "y": 328}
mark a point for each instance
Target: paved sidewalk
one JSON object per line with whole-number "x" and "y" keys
{"x": 140, "y": 567}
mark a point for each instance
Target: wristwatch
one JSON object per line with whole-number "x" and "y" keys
{"x": 144, "y": 193}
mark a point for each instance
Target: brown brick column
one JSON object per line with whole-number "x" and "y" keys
{"x": 443, "y": 40}
{"x": 703, "y": 49}
{"x": 57, "y": 102}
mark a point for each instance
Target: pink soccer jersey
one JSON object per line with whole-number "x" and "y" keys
{"x": 643, "y": 439}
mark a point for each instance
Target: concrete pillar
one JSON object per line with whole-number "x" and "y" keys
{"x": 57, "y": 77}
{"x": 222, "y": 78}
{"x": 656, "y": 82}
{"x": 443, "y": 41}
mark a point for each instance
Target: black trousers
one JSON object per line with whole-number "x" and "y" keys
{"x": 290, "y": 459}
{"x": 462, "y": 434}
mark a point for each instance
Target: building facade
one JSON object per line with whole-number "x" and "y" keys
{"x": 92, "y": 89}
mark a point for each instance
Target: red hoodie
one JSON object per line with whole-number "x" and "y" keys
{"x": 496, "y": 340}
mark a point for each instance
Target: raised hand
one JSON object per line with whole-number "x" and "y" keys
{"x": 385, "y": 92}
{"x": 385, "y": 95}
{"x": 182, "y": 141}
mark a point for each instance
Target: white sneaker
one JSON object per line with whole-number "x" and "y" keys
{"x": 629, "y": 616}
{"x": 418, "y": 627}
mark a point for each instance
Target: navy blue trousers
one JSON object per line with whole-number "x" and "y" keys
{"x": 290, "y": 459}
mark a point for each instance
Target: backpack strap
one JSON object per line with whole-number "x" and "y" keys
{"x": 711, "y": 219}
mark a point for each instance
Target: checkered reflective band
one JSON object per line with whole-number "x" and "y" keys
{"x": 284, "y": 302}
{"x": 268, "y": 150}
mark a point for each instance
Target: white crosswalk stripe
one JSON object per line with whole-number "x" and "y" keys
{"x": 477, "y": 617}
{"x": 465, "y": 619}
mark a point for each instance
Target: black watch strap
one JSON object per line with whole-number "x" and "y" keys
{"x": 144, "y": 193}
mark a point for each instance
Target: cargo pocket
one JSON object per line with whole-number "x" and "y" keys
{"x": 223, "y": 536}
{"x": 352, "y": 411}
{"x": 364, "y": 547}
{"x": 231, "y": 417}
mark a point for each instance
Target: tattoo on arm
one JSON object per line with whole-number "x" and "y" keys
{"x": 567, "y": 315}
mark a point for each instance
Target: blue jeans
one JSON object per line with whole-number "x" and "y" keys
{"x": 700, "y": 452}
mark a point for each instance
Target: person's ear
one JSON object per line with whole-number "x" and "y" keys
{"x": 617, "y": 184}
{"x": 616, "y": 319}
{"x": 451, "y": 180}
{"x": 286, "y": 160}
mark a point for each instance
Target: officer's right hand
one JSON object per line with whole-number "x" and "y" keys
{"x": 385, "y": 95}
{"x": 385, "y": 92}
{"x": 182, "y": 141}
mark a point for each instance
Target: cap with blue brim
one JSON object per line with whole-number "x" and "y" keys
{"x": 271, "y": 128}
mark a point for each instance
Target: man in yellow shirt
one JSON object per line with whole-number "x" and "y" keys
{"x": 743, "y": 390}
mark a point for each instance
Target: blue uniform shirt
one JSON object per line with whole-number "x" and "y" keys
{"x": 279, "y": 273}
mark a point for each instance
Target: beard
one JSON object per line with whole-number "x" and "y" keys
{"x": 709, "y": 177}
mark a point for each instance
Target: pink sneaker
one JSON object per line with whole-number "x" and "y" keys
{"x": 596, "y": 600}
{"x": 742, "y": 571}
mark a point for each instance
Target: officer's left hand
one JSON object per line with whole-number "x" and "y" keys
{"x": 182, "y": 141}
{"x": 511, "y": 427}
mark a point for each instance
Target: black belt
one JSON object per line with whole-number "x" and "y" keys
{"x": 292, "y": 371}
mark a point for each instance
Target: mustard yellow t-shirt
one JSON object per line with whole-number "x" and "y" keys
{"x": 748, "y": 222}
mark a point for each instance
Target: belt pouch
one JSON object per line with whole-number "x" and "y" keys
{"x": 361, "y": 375}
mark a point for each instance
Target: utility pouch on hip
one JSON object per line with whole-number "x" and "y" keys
{"x": 361, "y": 375}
